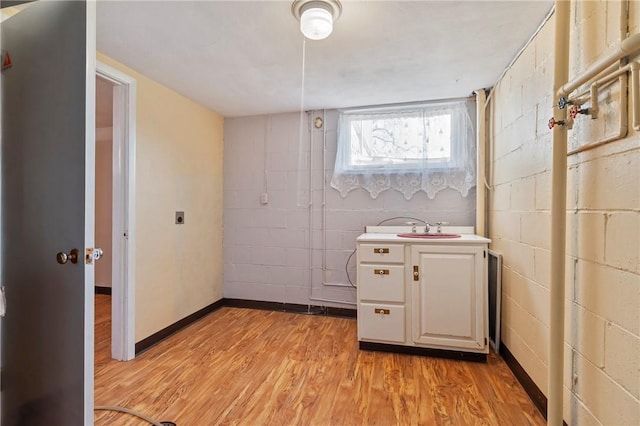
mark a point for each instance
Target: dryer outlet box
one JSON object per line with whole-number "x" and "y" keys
{"x": 179, "y": 218}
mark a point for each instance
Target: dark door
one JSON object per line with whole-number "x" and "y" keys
{"x": 47, "y": 197}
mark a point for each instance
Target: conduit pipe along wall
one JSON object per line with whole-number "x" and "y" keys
{"x": 624, "y": 48}
{"x": 481, "y": 133}
{"x": 558, "y": 218}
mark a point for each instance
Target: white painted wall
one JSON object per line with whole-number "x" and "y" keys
{"x": 602, "y": 357}
{"x": 178, "y": 168}
{"x": 266, "y": 247}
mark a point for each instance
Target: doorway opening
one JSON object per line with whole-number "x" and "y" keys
{"x": 103, "y": 218}
{"x": 115, "y": 203}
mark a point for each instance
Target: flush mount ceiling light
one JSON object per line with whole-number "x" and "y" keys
{"x": 316, "y": 17}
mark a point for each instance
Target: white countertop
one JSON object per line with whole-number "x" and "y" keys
{"x": 394, "y": 238}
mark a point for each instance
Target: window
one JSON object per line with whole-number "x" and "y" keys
{"x": 427, "y": 147}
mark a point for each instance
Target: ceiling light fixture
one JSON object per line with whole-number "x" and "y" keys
{"x": 316, "y": 17}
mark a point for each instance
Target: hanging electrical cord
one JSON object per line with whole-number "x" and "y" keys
{"x": 346, "y": 265}
{"x": 346, "y": 268}
{"x": 133, "y": 413}
{"x": 401, "y": 217}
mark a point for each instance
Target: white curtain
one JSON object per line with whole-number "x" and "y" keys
{"x": 427, "y": 147}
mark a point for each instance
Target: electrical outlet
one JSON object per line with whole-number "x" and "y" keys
{"x": 179, "y": 218}
{"x": 264, "y": 198}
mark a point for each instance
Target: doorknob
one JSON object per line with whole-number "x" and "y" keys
{"x": 63, "y": 257}
{"x": 92, "y": 254}
{"x": 97, "y": 253}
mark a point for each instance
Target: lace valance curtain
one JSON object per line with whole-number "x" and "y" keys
{"x": 427, "y": 148}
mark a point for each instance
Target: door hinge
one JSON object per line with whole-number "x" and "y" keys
{"x": 484, "y": 254}
{"x": 416, "y": 274}
{"x": 485, "y": 341}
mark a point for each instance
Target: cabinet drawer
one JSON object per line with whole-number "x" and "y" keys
{"x": 381, "y": 282}
{"x": 381, "y": 253}
{"x": 381, "y": 322}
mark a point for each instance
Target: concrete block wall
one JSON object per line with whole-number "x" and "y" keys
{"x": 602, "y": 321}
{"x": 268, "y": 247}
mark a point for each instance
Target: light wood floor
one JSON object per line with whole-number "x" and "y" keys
{"x": 251, "y": 367}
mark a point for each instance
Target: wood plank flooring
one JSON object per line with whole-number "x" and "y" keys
{"x": 250, "y": 367}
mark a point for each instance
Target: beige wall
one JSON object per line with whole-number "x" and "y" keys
{"x": 104, "y": 204}
{"x": 602, "y": 361}
{"x": 178, "y": 167}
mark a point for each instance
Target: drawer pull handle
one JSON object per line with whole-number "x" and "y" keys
{"x": 381, "y": 271}
{"x": 381, "y": 250}
{"x": 382, "y": 311}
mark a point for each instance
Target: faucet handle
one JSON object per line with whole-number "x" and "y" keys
{"x": 440, "y": 225}
{"x": 413, "y": 226}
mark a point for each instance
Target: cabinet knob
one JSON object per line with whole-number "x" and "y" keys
{"x": 381, "y": 272}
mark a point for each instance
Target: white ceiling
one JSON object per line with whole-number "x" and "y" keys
{"x": 244, "y": 58}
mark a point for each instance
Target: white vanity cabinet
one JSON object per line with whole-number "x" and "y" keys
{"x": 423, "y": 296}
{"x": 449, "y": 296}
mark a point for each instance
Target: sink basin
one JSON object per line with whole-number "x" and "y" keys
{"x": 431, "y": 235}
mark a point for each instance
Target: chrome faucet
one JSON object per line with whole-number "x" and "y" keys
{"x": 427, "y": 227}
{"x": 413, "y": 226}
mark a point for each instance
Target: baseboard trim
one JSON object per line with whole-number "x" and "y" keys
{"x": 291, "y": 307}
{"x": 414, "y": 350}
{"x": 156, "y": 338}
{"x": 103, "y": 290}
{"x": 537, "y": 397}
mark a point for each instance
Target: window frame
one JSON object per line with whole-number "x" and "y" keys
{"x": 454, "y": 162}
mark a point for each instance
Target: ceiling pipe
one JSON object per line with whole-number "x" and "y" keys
{"x": 558, "y": 216}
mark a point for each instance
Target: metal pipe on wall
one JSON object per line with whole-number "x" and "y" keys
{"x": 635, "y": 95}
{"x": 622, "y": 49}
{"x": 558, "y": 217}
{"x": 481, "y": 133}
{"x": 624, "y": 120}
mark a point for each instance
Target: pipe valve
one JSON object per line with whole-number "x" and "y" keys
{"x": 553, "y": 123}
{"x": 563, "y": 102}
{"x": 574, "y": 111}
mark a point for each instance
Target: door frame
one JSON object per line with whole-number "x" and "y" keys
{"x": 123, "y": 211}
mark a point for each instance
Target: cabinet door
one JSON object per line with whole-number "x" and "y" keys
{"x": 448, "y": 298}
